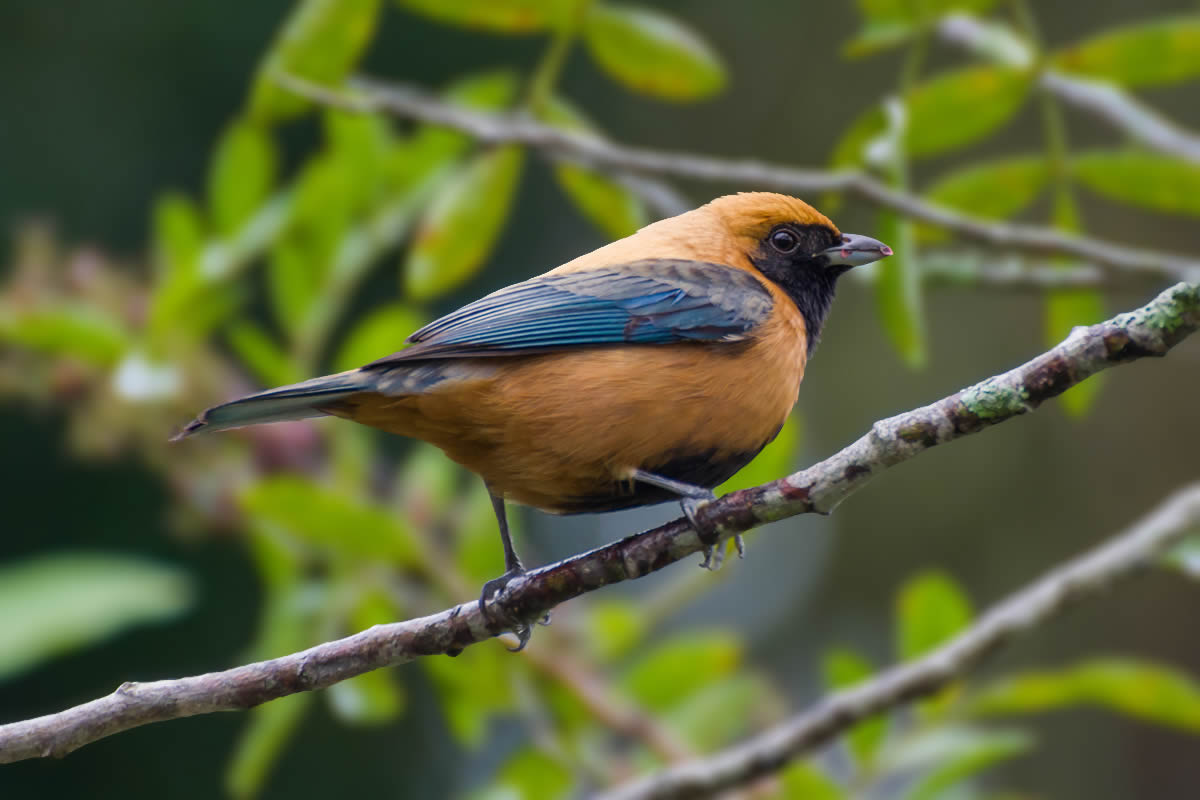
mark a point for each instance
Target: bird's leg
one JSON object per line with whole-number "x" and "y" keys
{"x": 513, "y": 568}
{"x": 691, "y": 499}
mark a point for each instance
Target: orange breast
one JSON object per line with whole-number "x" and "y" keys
{"x": 563, "y": 431}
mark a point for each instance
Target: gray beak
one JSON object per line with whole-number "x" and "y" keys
{"x": 855, "y": 250}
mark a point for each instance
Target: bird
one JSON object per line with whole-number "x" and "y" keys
{"x": 651, "y": 369}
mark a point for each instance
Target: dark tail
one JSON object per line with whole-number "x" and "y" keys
{"x": 298, "y": 401}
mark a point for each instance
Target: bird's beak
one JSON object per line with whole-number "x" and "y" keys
{"x": 855, "y": 250}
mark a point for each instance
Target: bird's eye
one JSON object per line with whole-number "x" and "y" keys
{"x": 784, "y": 241}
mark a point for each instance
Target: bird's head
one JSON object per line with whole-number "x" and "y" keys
{"x": 796, "y": 247}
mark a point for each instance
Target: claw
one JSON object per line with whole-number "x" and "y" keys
{"x": 522, "y": 630}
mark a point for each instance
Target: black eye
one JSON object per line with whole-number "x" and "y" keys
{"x": 784, "y": 241}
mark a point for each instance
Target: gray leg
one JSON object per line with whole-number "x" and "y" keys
{"x": 691, "y": 499}
{"x": 512, "y": 568}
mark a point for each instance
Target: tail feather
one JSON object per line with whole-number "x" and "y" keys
{"x": 297, "y": 401}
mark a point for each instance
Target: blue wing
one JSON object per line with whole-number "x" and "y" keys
{"x": 656, "y": 301}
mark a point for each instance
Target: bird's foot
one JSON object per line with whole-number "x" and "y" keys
{"x": 522, "y": 630}
{"x": 714, "y": 555}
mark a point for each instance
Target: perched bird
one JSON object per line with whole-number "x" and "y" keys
{"x": 651, "y": 369}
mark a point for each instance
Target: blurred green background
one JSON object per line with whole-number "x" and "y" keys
{"x": 249, "y": 546}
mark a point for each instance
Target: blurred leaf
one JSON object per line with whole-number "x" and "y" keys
{"x": 374, "y": 697}
{"x": 428, "y": 484}
{"x": 84, "y": 332}
{"x": 1185, "y": 556}
{"x": 533, "y": 774}
{"x": 898, "y": 291}
{"x": 331, "y": 521}
{"x": 360, "y": 144}
{"x": 1141, "y": 689}
{"x": 930, "y": 609}
{"x": 261, "y": 743}
{"x": 241, "y": 175}
{"x": 471, "y": 688}
{"x": 302, "y": 259}
{"x": 614, "y": 627}
{"x": 958, "y": 107}
{"x": 895, "y": 11}
{"x": 878, "y": 36}
{"x": 803, "y": 781}
{"x": 718, "y": 713}
{"x": 463, "y": 224}
{"x": 1149, "y": 180}
{"x": 653, "y": 53}
{"x": 501, "y": 16}
{"x": 1146, "y": 54}
{"x": 380, "y": 333}
{"x": 775, "y": 460}
{"x": 671, "y": 672}
{"x": 995, "y": 189}
{"x": 487, "y": 91}
{"x": 951, "y": 754}
{"x": 55, "y": 604}
{"x": 178, "y": 234}
{"x": 320, "y": 42}
{"x": 261, "y": 354}
{"x": 843, "y": 668}
{"x": 607, "y": 204}
{"x": 1065, "y": 309}
{"x": 852, "y": 148}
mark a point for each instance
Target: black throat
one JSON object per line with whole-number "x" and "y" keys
{"x": 809, "y": 280}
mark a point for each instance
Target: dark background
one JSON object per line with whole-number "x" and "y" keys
{"x": 107, "y": 104}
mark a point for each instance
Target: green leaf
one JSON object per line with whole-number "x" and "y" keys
{"x": 951, "y": 754}
{"x": 178, "y": 235}
{"x": 775, "y": 460}
{"x": 853, "y": 147}
{"x": 534, "y": 774}
{"x": 53, "y": 605}
{"x": 261, "y": 354}
{"x": 930, "y": 609}
{"x": 803, "y": 781}
{"x": 375, "y": 697}
{"x": 331, "y": 521}
{"x": 653, "y": 53}
{"x": 1141, "y": 689}
{"x": 607, "y": 204}
{"x": 1148, "y": 54}
{"x": 1065, "y": 309}
{"x": 84, "y": 332}
{"x": 241, "y": 175}
{"x": 899, "y": 299}
{"x": 500, "y": 16}
{"x": 843, "y": 668}
{"x": 488, "y": 91}
{"x": 1148, "y": 180}
{"x": 959, "y": 107}
{"x": 471, "y": 688}
{"x": 1185, "y": 556}
{"x": 614, "y": 628}
{"x": 380, "y": 333}
{"x": 320, "y": 42}
{"x": 477, "y": 554}
{"x": 671, "y": 672}
{"x": 992, "y": 190}
{"x": 463, "y": 224}
{"x": 896, "y": 11}
{"x": 717, "y": 714}
{"x": 261, "y": 743}
{"x": 302, "y": 258}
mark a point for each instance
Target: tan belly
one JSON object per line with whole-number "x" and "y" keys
{"x": 562, "y": 432}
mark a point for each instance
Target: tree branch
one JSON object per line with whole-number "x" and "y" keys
{"x": 1022, "y": 611}
{"x": 1149, "y": 331}
{"x": 595, "y": 152}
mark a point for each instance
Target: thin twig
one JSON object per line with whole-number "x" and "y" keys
{"x": 1149, "y": 331}
{"x": 592, "y": 151}
{"x": 1022, "y": 611}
